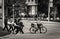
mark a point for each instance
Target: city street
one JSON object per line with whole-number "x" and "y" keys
{"x": 46, "y": 12}
{"x": 53, "y": 32}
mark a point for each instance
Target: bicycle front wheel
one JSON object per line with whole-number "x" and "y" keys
{"x": 43, "y": 29}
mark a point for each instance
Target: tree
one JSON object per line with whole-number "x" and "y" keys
{"x": 19, "y": 4}
{"x": 43, "y": 6}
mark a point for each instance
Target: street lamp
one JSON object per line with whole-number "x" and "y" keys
{"x": 23, "y": 14}
{"x": 13, "y": 12}
{"x": 19, "y": 13}
{"x": 49, "y": 8}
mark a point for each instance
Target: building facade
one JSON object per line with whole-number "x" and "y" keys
{"x": 32, "y": 6}
{"x": 1, "y": 8}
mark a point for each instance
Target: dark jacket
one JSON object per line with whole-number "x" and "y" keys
{"x": 39, "y": 25}
{"x": 21, "y": 25}
{"x": 5, "y": 21}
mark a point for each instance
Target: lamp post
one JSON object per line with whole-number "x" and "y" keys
{"x": 49, "y": 11}
{"x": 49, "y": 8}
{"x": 13, "y": 13}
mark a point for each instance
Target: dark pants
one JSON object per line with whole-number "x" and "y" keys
{"x": 5, "y": 27}
{"x": 39, "y": 27}
{"x": 40, "y": 30}
{"x": 11, "y": 27}
{"x": 19, "y": 29}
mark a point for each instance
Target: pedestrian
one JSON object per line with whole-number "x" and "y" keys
{"x": 15, "y": 24}
{"x": 5, "y": 22}
{"x": 10, "y": 23}
{"x": 20, "y": 28}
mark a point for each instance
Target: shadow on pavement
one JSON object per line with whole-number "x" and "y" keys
{"x": 3, "y": 33}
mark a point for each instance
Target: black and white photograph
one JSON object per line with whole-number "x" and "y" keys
{"x": 29, "y": 19}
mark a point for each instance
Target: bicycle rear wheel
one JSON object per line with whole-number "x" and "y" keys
{"x": 32, "y": 30}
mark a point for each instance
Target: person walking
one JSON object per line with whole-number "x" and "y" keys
{"x": 10, "y": 23}
{"x": 20, "y": 27}
{"x": 5, "y": 22}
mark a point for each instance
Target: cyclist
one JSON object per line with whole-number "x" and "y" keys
{"x": 39, "y": 26}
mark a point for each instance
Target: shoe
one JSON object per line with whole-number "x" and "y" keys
{"x": 3, "y": 29}
{"x": 22, "y": 32}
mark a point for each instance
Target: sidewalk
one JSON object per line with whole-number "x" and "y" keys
{"x": 48, "y": 22}
{"x": 52, "y": 33}
{"x": 27, "y": 24}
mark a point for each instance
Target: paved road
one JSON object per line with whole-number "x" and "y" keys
{"x": 52, "y": 33}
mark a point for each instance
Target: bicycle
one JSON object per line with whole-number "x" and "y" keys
{"x": 33, "y": 29}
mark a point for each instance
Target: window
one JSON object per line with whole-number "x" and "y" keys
{"x": 36, "y": 1}
{"x": 28, "y": 0}
{"x": 32, "y": 0}
{"x": 0, "y": 7}
{"x": 0, "y": 15}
